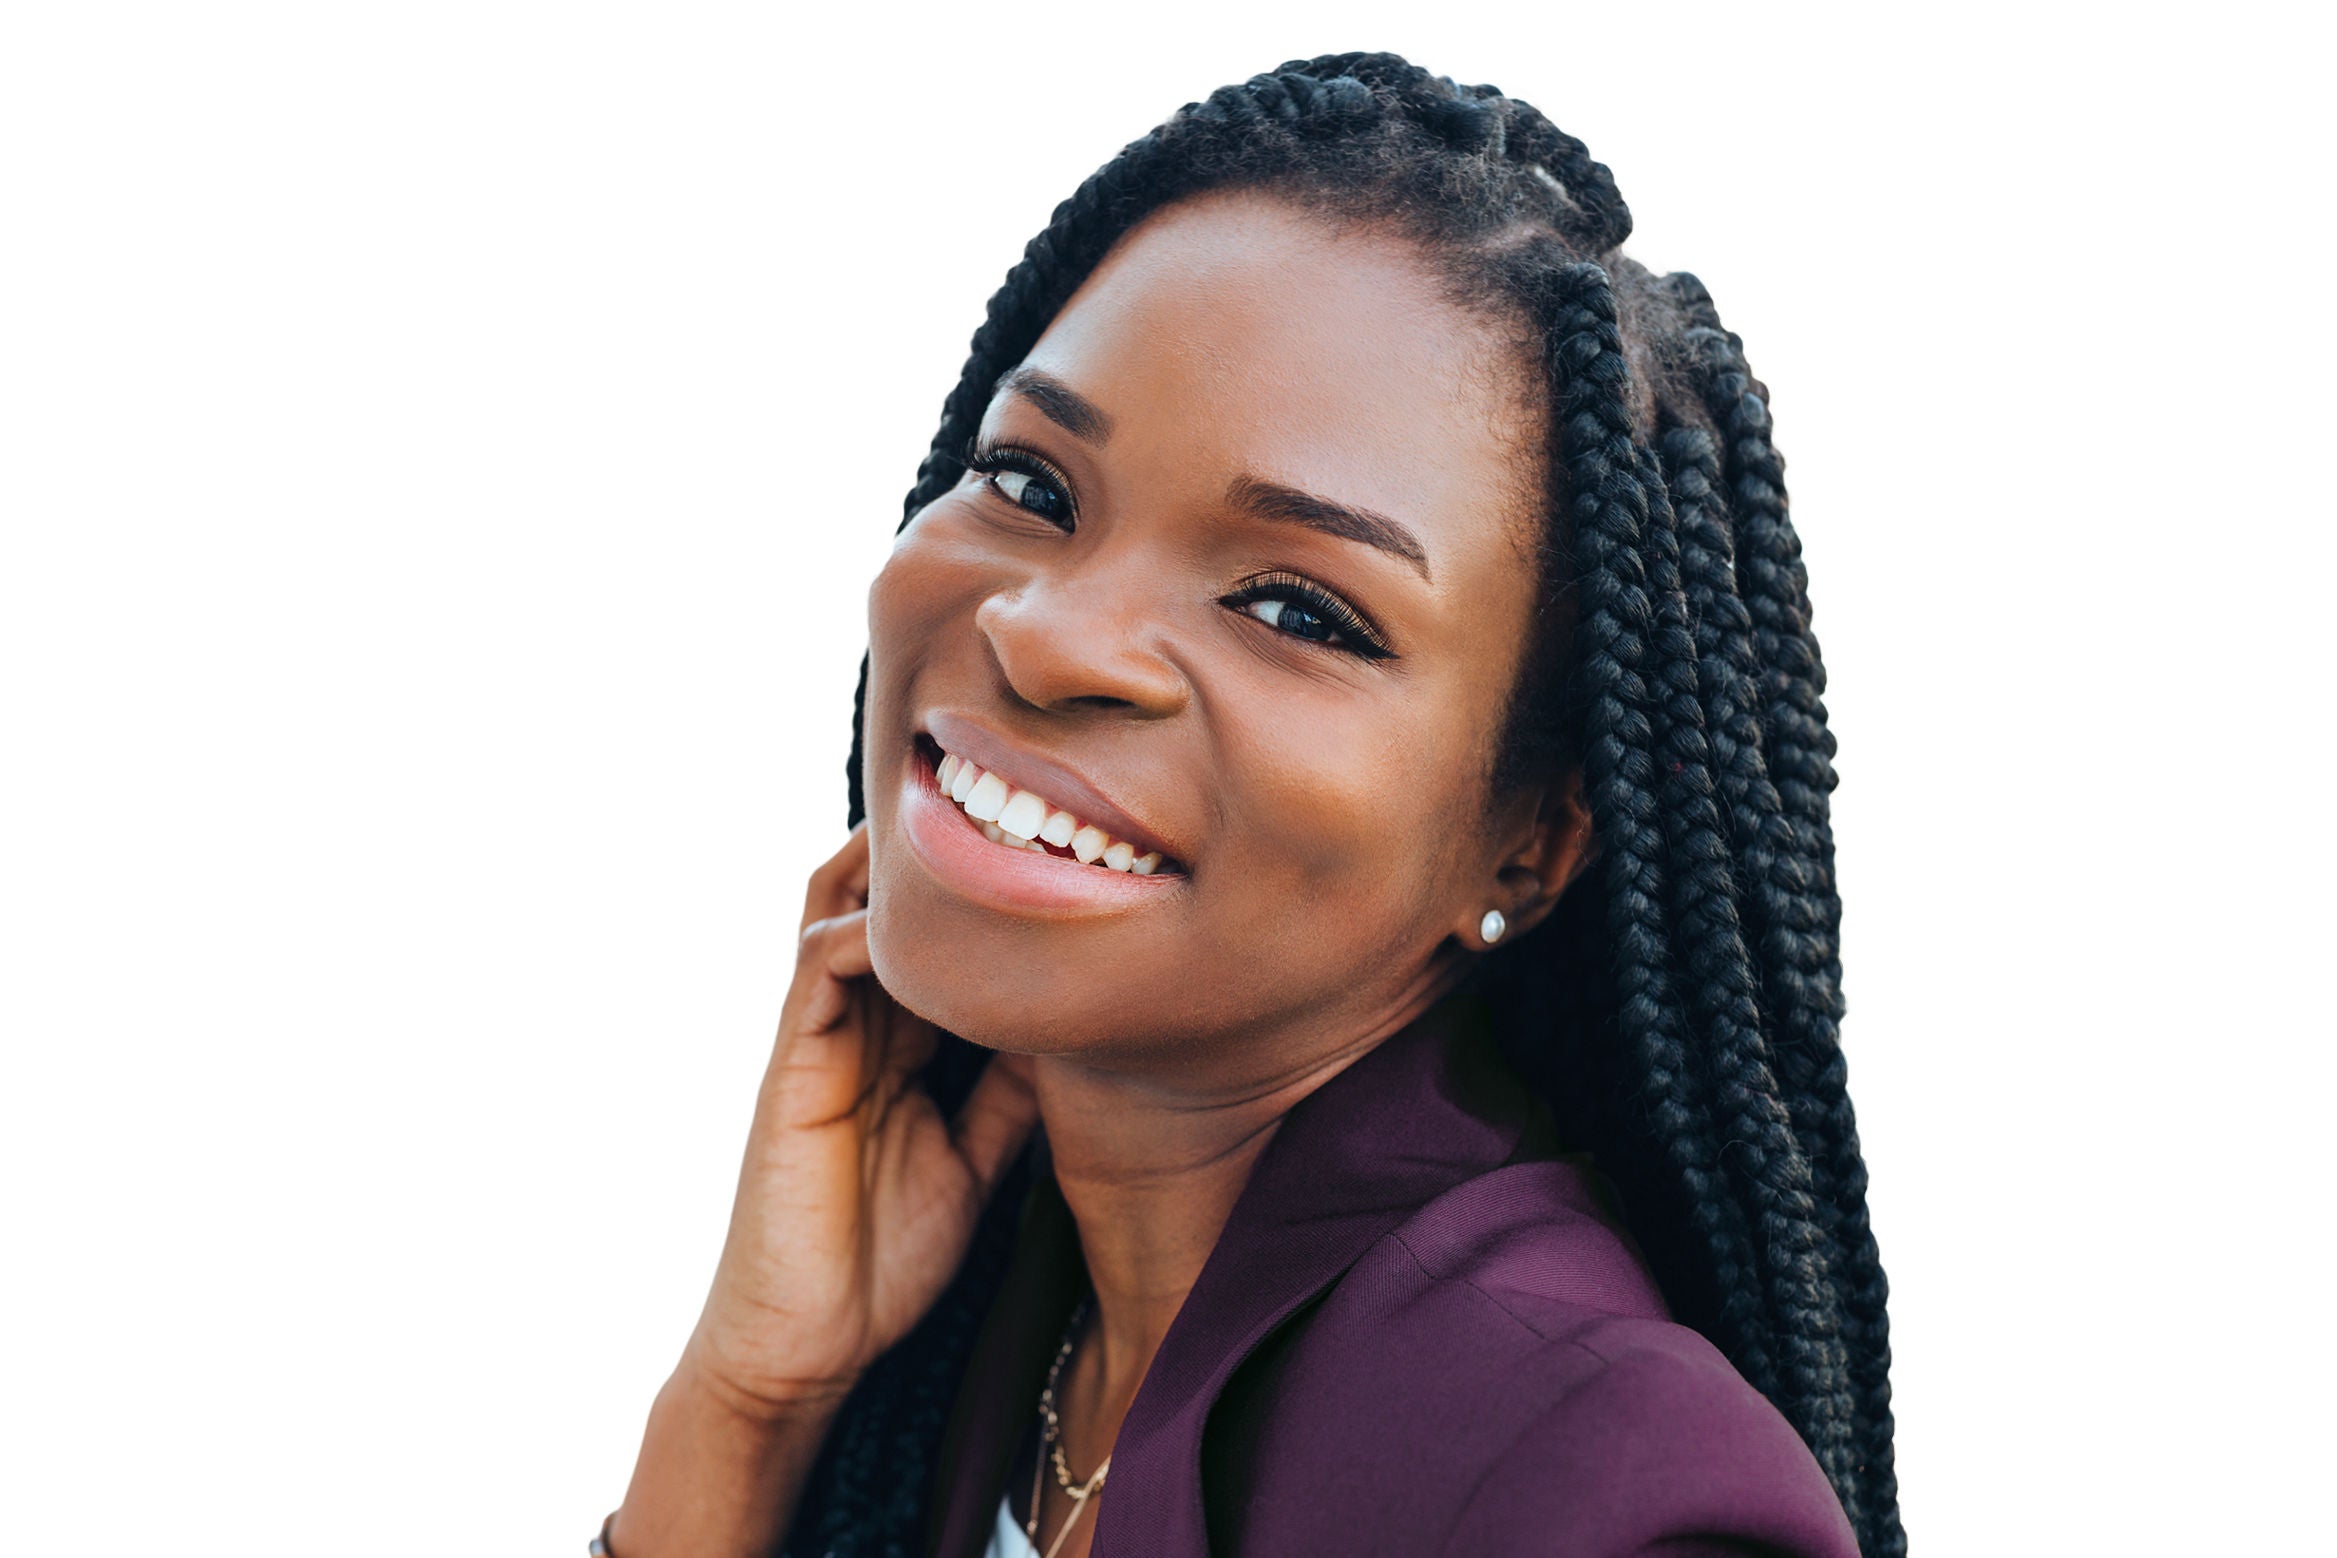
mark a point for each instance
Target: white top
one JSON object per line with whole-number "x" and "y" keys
{"x": 1006, "y": 1538}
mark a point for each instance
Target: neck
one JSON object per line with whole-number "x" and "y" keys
{"x": 1150, "y": 1165}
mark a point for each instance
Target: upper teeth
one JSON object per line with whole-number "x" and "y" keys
{"x": 1023, "y": 818}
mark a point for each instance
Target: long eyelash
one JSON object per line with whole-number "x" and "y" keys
{"x": 1361, "y": 637}
{"x": 987, "y": 459}
{"x": 1010, "y": 456}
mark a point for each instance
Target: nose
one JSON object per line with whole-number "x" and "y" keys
{"x": 1081, "y": 642}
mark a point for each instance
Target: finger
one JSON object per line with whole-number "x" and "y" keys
{"x": 996, "y": 1119}
{"x": 898, "y": 1040}
{"x": 820, "y": 1067}
{"x": 909, "y": 1039}
{"x": 899, "y": 1043}
{"x": 840, "y": 884}
{"x": 840, "y": 1015}
{"x": 847, "y": 955}
{"x": 832, "y": 953}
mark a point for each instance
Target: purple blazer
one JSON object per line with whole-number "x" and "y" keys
{"x": 1422, "y": 1332}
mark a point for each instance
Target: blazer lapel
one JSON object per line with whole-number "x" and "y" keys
{"x": 1430, "y": 1107}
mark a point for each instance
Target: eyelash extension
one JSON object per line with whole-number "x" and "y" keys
{"x": 1360, "y": 637}
{"x": 989, "y": 459}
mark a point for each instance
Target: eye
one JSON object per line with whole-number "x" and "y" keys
{"x": 1292, "y": 618}
{"x": 1026, "y": 481}
{"x": 1292, "y": 605}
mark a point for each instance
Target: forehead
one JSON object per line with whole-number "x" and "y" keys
{"x": 1255, "y": 337}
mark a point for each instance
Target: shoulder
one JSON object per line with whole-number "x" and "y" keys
{"x": 1499, "y": 1374}
{"x": 1646, "y": 1438}
{"x": 1661, "y": 1447}
{"x": 1542, "y": 1241}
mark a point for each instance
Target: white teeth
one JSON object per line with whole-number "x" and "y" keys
{"x": 1023, "y": 815}
{"x": 987, "y": 798}
{"x": 1024, "y": 819}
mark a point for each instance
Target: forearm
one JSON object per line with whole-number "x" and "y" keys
{"x": 716, "y": 1475}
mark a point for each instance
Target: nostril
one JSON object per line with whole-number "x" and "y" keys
{"x": 1078, "y": 649}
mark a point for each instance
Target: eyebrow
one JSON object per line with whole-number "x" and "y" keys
{"x": 1271, "y": 500}
{"x": 1060, "y": 404}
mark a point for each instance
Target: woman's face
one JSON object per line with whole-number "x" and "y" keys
{"x": 1242, "y": 579}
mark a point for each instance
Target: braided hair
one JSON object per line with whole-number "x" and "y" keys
{"x": 1681, "y": 1008}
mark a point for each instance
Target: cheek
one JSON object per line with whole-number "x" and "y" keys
{"x": 915, "y": 584}
{"x": 1345, "y": 798}
{"x": 911, "y": 602}
{"x": 927, "y": 589}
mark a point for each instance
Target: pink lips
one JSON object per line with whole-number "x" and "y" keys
{"x": 952, "y": 848}
{"x": 1061, "y": 785}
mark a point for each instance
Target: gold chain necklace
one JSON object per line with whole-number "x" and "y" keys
{"x": 1051, "y": 1447}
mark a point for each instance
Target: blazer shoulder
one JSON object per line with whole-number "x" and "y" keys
{"x": 1646, "y": 1438}
{"x": 1543, "y": 1240}
{"x": 1662, "y": 1448}
{"x": 1498, "y": 1374}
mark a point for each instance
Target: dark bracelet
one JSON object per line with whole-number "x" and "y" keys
{"x": 600, "y": 1543}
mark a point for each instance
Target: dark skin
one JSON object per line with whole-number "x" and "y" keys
{"x": 1321, "y": 780}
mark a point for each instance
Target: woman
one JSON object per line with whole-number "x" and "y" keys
{"x": 1341, "y": 740}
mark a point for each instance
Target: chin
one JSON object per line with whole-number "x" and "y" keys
{"x": 987, "y": 982}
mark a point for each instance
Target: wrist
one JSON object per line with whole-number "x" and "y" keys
{"x": 776, "y": 1407}
{"x": 720, "y": 1466}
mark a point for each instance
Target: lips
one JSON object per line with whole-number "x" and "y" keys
{"x": 979, "y": 862}
{"x": 1024, "y": 819}
{"x": 1037, "y": 798}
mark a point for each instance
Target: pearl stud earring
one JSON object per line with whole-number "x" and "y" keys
{"x": 1492, "y": 926}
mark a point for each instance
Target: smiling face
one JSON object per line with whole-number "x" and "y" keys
{"x": 1240, "y": 578}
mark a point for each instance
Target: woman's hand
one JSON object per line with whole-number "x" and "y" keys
{"x": 855, "y": 1205}
{"x": 857, "y": 1199}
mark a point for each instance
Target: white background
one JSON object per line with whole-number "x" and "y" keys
{"x": 442, "y": 449}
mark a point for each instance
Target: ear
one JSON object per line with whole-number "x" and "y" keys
{"x": 1544, "y": 842}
